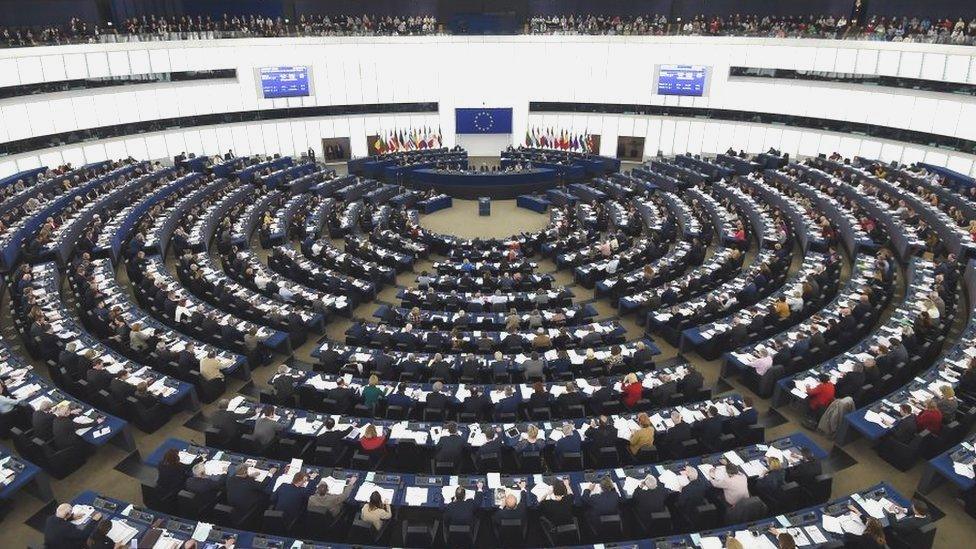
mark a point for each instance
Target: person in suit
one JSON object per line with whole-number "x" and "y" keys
{"x": 915, "y": 518}
{"x": 771, "y": 482}
{"x": 509, "y": 403}
{"x": 532, "y": 442}
{"x": 371, "y": 441}
{"x": 291, "y": 498}
{"x": 601, "y": 435}
{"x": 244, "y": 492}
{"x": 476, "y": 403}
{"x": 556, "y": 507}
{"x": 437, "y": 400}
{"x": 677, "y": 434}
{"x": 331, "y": 436}
{"x": 461, "y": 511}
{"x": 642, "y": 438}
{"x": 642, "y": 355}
{"x": 99, "y": 537}
{"x": 540, "y": 398}
{"x": 904, "y": 429}
{"x": 571, "y": 442}
{"x": 63, "y": 430}
{"x": 493, "y": 444}
{"x": 400, "y": 398}
{"x": 171, "y": 475}
{"x": 605, "y": 502}
{"x": 710, "y": 428}
{"x": 451, "y": 446}
{"x": 602, "y": 393}
{"x": 512, "y": 509}
{"x": 202, "y": 484}
{"x": 649, "y": 497}
{"x": 692, "y": 494}
{"x": 42, "y": 421}
{"x": 851, "y": 382}
{"x": 61, "y": 533}
{"x": 331, "y": 504}
{"x": 284, "y": 384}
{"x": 534, "y": 368}
{"x": 266, "y": 428}
{"x": 572, "y": 397}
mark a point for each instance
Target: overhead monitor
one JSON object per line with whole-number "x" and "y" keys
{"x": 687, "y": 80}
{"x": 279, "y": 82}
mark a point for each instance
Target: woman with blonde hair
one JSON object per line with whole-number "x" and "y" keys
{"x": 372, "y": 393}
{"x": 631, "y": 390}
{"x": 948, "y": 404}
{"x": 644, "y": 437}
{"x": 531, "y": 442}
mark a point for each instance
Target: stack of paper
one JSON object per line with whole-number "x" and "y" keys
{"x": 121, "y": 532}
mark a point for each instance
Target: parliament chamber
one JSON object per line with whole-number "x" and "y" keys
{"x": 527, "y": 273}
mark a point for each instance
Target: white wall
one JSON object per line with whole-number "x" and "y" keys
{"x": 491, "y": 71}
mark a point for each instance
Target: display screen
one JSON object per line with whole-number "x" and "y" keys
{"x": 682, "y": 80}
{"x": 284, "y": 82}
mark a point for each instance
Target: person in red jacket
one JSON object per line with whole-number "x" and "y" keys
{"x": 371, "y": 441}
{"x": 930, "y": 419}
{"x": 820, "y": 396}
{"x": 632, "y": 390}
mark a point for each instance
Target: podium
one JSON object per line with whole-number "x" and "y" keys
{"x": 484, "y": 205}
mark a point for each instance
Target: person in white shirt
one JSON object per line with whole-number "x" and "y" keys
{"x": 182, "y": 311}
{"x": 732, "y": 481}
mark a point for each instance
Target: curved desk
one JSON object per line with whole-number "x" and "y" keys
{"x": 505, "y": 185}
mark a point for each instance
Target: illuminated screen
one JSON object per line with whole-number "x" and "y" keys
{"x": 284, "y": 82}
{"x": 682, "y": 80}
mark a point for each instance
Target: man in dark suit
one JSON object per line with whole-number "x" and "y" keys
{"x": 509, "y": 403}
{"x": 905, "y": 428}
{"x": 98, "y": 377}
{"x": 570, "y": 398}
{"x": 400, "y": 398}
{"x": 63, "y": 431}
{"x": 693, "y": 494}
{"x": 460, "y": 511}
{"x": 60, "y": 533}
{"x": 512, "y": 509}
{"x": 680, "y": 432}
{"x": 570, "y": 442}
{"x": 604, "y": 503}
{"x": 476, "y": 403}
{"x": 649, "y": 497}
{"x": 244, "y": 492}
{"x": 342, "y": 395}
{"x": 331, "y": 436}
{"x": 470, "y": 367}
{"x": 437, "y": 400}
{"x": 710, "y": 428}
{"x": 224, "y": 421}
{"x": 291, "y": 498}
{"x": 493, "y": 445}
{"x": 284, "y": 384}
{"x": 201, "y": 484}
{"x": 602, "y": 393}
{"x": 851, "y": 382}
{"x": 451, "y": 446}
{"x": 916, "y": 517}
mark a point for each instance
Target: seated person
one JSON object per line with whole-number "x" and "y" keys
{"x": 460, "y": 510}
{"x": 603, "y": 503}
{"x": 331, "y": 504}
{"x": 642, "y": 438}
{"x": 571, "y": 442}
{"x": 557, "y": 506}
{"x": 649, "y": 497}
{"x": 371, "y": 442}
{"x": 376, "y": 512}
{"x": 531, "y": 442}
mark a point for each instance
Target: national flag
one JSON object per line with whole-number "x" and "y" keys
{"x": 379, "y": 145}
